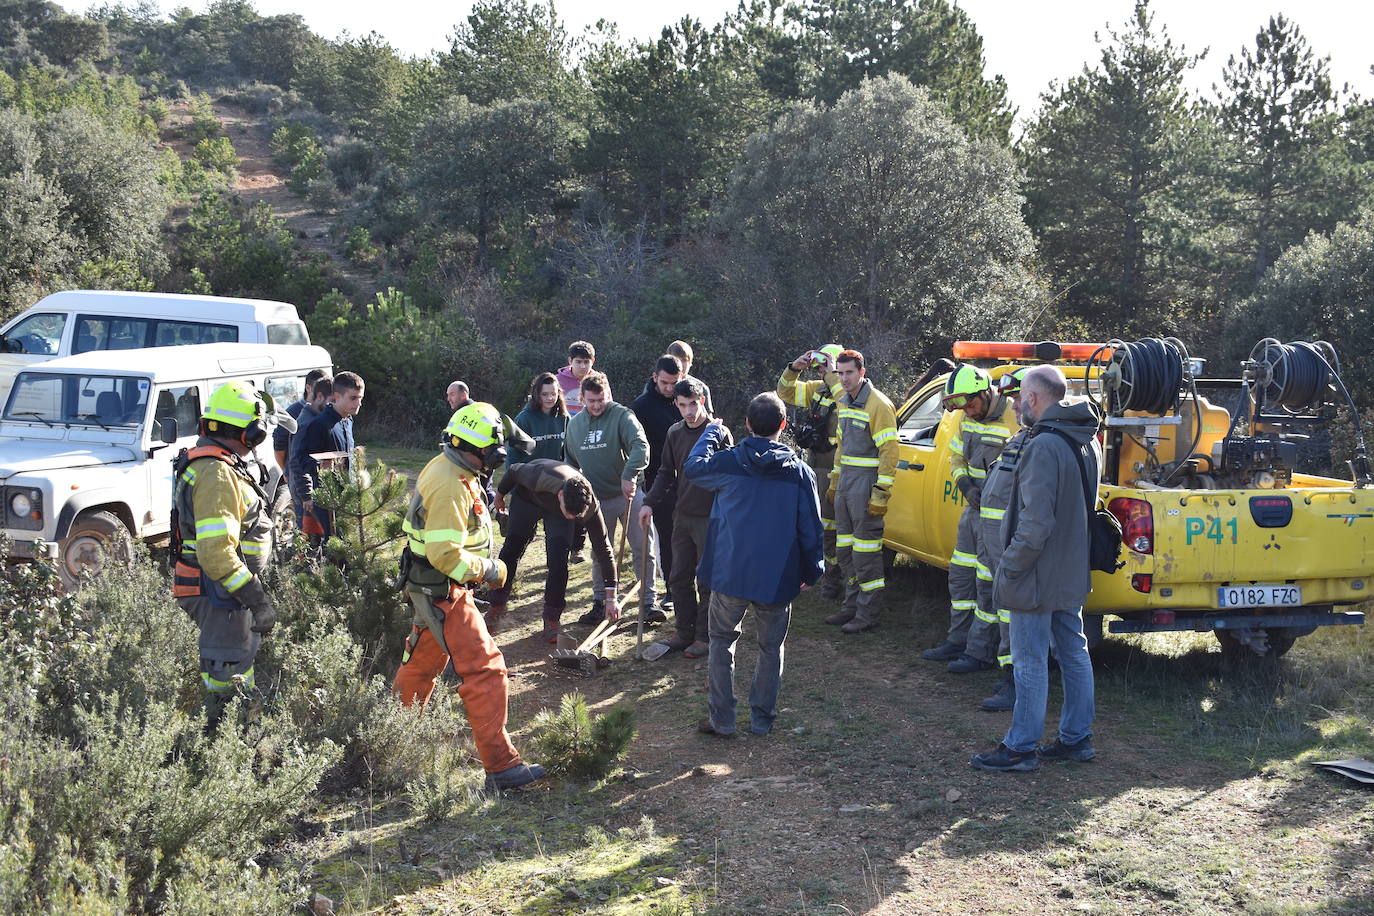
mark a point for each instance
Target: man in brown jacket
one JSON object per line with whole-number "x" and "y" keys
{"x": 551, "y": 491}
{"x": 691, "y": 518}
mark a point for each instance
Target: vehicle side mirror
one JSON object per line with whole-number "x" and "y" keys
{"x": 167, "y": 430}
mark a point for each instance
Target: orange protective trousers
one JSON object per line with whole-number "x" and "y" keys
{"x": 480, "y": 665}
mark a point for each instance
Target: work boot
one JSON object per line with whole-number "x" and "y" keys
{"x": 550, "y": 634}
{"x": 706, "y": 728}
{"x": 945, "y": 651}
{"x": 1082, "y": 751}
{"x": 832, "y": 587}
{"x": 595, "y": 615}
{"x": 1005, "y": 760}
{"x": 967, "y": 664}
{"x": 676, "y": 643}
{"x": 522, "y": 774}
{"x": 858, "y": 626}
{"x": 1003, "y": 698}
{"x": 495, "y": 616}
{"x": 840, "y": 618}
{"x": 698, "y": 649}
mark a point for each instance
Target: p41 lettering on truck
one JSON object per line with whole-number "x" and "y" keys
{"x": 1221, "y": 529}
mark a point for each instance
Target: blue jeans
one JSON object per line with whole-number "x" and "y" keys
{"x": 771, "y": 621}
{"x": 1031, "y": 635}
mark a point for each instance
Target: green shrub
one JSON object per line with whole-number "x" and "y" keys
{"x": 203, "y": 124}
{"x": 359, "y": 249}
{"x": 112, "y": 798}
{"x": 217, "y": 154}
{"x": 569, "y": 742}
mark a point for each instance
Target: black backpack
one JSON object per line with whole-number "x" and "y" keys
{"x": 1104, "y": 531}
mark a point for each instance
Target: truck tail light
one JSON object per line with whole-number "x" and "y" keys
{"x": 1142, "y": 582}
{"x": 1137, "y": 523}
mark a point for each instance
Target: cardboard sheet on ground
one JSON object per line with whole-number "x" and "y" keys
{"x": 1355, "y": 768}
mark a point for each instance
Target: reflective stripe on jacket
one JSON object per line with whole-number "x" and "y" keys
{"x": 868, "y": 434}
{"x": 815, "y": 396}
{"x": 979, "y": 442}
{"x": 222, "y": 517}
{"x": 447, "y": 522}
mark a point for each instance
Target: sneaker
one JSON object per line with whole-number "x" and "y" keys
{"x": 698, "y": 649}
{"x": 1005, "y": 760}
{"x": 1002, "y": 699}
{"x": 706, "y": 728}
{"x": 654, "y": 614}
{"x": 1082, "y": 751}
{"x": 839, "y": 618}
{"x": 522, "y": 774}
{"x": 858, "y": 626}
{"x": 550, "y": 634}
{"x": 595, "y": 615}
{"x": 676, "y": 643}
{"x": 577, "y": 556}
{"x": 945, "y": 651}
{"x": 667, "y": 605}
{"x": 967, "y": 664}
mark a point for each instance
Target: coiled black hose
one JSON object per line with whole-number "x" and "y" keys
{"x": 1299, "y": 373}
{"x": 1151, "y": 375}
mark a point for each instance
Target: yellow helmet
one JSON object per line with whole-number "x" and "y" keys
{"x": 240, "y": 406}
{"x": 476, "y": 423}
{"x": 963, "y": 385}
{"x": 1010, "y": 384}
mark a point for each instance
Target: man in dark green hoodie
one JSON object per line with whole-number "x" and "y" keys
{"x": 607, "y": 444}
{"x": 1043, "y": 577}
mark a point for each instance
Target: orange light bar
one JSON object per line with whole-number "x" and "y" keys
{"x": 1045, "y": 350}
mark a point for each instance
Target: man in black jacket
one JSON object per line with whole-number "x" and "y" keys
{"x": 656, "y": 411}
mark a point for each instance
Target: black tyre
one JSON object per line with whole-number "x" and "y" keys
{"x": 96, "y": 540}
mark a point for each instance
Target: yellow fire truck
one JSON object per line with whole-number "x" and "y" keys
{"x": 1220, "y": 531}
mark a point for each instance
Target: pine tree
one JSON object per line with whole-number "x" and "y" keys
{"x": 570, "y": 742}
{"x": 1284, "y": 168}
{"x": 359, "y": 569}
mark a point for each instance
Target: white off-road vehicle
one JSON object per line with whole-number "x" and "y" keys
{"x": 87, "y": 442}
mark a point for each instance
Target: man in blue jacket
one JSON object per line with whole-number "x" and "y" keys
{"x": 762, "y": 548}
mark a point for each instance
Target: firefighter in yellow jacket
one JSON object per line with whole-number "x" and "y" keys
{"x": 222, "y": 536}
{"x": 860, "y": 485}
{"x": 989, "y": 421}
{"x": 449, "y": 552}
{"x": 818, "y": 433}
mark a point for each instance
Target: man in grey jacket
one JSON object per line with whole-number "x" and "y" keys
{"x": 1043, "y": 577}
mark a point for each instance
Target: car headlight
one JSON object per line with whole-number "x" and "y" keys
{"x": 21, "y": 505}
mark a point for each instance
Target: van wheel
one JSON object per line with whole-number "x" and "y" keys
{"x": 96, "y": 540}
{"x": 1242, "y": 646}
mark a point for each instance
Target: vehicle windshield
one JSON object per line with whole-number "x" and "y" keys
{"x": 70, "y": 399}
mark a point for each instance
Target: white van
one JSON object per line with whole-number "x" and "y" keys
{"x": 87, "y": 442}
{"x": 80, "y": 321}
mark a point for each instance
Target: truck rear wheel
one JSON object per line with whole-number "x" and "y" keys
{"x": 1243, "y": 645}
{"x": 96, "y": 540}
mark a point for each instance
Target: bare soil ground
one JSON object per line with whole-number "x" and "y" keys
{"x": 863, "y": 800}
